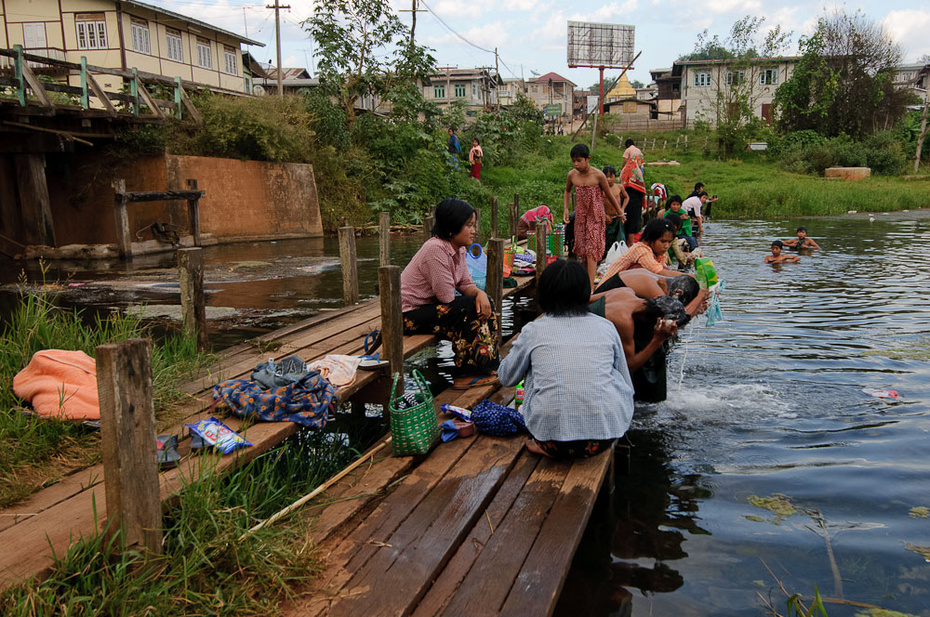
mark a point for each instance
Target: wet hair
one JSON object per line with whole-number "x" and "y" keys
{"x": 779, "y": 244}
{"x": 672, "y": 199}
{"x": 698, "y": 186}
{"x": 674, "y": 219}
{"x": 451, "y": 216}
{"x": 665, "y": 307}
{"x": 609, "y": 169}
{"x": 580, "y": 151}
{"x": 687, "y": 285}
{"x": 655, "y": 229}
{"x": 564, "y": 289}
{"x": 802, "y": 228}
{"x": 629, "y": 142}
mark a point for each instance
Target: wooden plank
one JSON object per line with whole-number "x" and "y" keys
{"x": 142, "y": 196}
{"x": 537, "y": 588}
{"x": 36, "y": 86}
{"x": 486, "y": 586}
{"x": 150, "y": 102}
{"x": 110, "y": 110}
{"x": 455, "y": 571}
{"x": 349, "y": 262}
{"x": 127, "y": 442}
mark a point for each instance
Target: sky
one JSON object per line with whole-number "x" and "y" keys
{"x": 530, "y": 35}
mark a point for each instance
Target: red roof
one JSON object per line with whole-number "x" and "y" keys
{"x": 554, "y": 77}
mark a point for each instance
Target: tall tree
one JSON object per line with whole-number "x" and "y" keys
{"x": 844, "y": 81}
{"x": 363, "y": 48}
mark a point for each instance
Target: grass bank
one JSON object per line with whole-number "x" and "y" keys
{"x": 209, "y": 567}
{"x": 750, "y": 187}
{"x": 36, "y": 452}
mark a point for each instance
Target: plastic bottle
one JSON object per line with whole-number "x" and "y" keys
{"x": 518, "y": 394}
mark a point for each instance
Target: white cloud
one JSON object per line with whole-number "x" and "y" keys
{"x": 909, "y": 28}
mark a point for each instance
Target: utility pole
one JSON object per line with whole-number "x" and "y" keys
{"x": 413, "y": 10}
{"x": 923, "y": 131}
{"x": 497, "y": 72}
{"x": 277, "y": 33}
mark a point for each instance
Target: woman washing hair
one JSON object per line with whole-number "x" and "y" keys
{"x": 428, "y": 287}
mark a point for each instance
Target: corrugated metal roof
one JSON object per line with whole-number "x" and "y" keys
{"x": 191, "y": 20}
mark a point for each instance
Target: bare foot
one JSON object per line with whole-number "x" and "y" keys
{"x": 533, "y": 447}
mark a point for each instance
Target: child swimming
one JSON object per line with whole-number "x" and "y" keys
{"x": 777, "y": 258}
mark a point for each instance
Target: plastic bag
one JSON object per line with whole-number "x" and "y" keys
{"x": 477, "y": 265}
{"x": 616, "y": 250}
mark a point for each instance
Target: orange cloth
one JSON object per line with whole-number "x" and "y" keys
{"x": 60, "y": 384}
{"x": 640, "y": 255}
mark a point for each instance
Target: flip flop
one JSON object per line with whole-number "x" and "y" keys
{"x": 372, "y": 360}
{"x": 464, "y": 383}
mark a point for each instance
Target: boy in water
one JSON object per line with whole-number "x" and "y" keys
{"x": 777, "y": 258}
{"x": 802, "y": 241}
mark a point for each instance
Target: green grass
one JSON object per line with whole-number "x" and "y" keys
{"x": 208, "y": 567}
{"x": 36, "y": 451}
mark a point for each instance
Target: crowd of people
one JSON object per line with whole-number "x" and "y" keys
{"x": 602, "y": 330}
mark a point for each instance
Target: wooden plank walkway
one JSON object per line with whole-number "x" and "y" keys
{"x": 57, "y": 516}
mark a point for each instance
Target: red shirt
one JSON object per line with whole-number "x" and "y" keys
{"x": 433, "y": 275}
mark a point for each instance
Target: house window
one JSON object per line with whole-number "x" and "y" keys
{"x": 204, "y": 54}
{"x": 91, "y": 31}
{"x": 175, "y": 46}
{"x": 140, "y": 36}
{"x": 230, "y": 60}
{"x": 735, "y": 77}
{"x": 701, "y": 79}
{"x": 460, "y": 91}
{"x": 34, "y": 36}
{"x": 439, "y": 92}
{"x": 768, "y": 77}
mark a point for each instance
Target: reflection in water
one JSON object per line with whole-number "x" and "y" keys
{"x": 771, "y": 403}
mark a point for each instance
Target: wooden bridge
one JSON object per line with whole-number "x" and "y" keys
{"x": 480, "y": 526}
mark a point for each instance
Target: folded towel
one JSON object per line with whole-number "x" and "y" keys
{"x": 60, "y": 384}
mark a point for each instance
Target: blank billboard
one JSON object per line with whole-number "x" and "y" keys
{"x": 600, "y": 45}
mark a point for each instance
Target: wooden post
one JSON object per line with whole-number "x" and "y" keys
{"x": 349, "y": 265}
{"x": 123, "y": 240}
{"x": 494, "y": 231}
{"x": 193, "y": 212}
{"x": 541, "y": 228}
{"x": 36, "y": 205}
{"x": 478, "y": 225}
{"x": 923, "y": 131}
{"x": 384, "y": 239}
{"x": 127, "y": 432}
{"x": 514, "y": 215}
{"x": 392, "y": 320}
{"x": 495, "y": 281}
{"x": 193, "y": 305}
{"x": 428, "y": 228}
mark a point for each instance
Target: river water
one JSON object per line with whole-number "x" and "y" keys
{"x": 771, "y": 405}
{"x": 770, "y": 411}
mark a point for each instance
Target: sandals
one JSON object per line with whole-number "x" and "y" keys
{"x": 369, "y": 360}
{"x": 464, "y": 383}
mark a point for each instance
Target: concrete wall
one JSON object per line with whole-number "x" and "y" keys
{"x": 244, "y": 200}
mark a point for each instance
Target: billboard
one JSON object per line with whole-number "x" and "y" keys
{"x": 600, "y": 45}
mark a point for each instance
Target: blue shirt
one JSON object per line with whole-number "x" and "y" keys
{"x": 577, "y": 385}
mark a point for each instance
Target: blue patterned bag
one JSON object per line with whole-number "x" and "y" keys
{"x": 498, "y": 420}
{"x": 308, "y": 401}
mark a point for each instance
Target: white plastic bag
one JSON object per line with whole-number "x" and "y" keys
{"x": 616, "y": 250}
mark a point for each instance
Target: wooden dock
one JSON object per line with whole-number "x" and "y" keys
{"x": 480, "y": 526}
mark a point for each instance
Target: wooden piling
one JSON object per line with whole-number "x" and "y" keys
{"x": 541, "y": 229}
{"x": 384, "y": 240}
{"x": 127, "y": 432}
{"x": 494, "y": 229}
{"x": 428, "y": 227}
{"x": 392, "y": 320}
{"x": 193, "y": 211}
{"x": 193, "y": 298}
{"x": 495, "y": 278}
{"x": 123, "y": 239}
{"x": 514, "y": 216}
{"x": 349, "y": 262}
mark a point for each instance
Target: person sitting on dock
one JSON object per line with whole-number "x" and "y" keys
{"x": 578, "y": 395}
{"x": 428, "y": 287}
{"x": 643, "y": 325}
{"x": 648, "y": 253}
{"x": 802, "y": 242}
{"x": 777, "y": 258}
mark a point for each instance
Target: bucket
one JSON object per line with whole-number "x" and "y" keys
{"x": 477, "y": 261}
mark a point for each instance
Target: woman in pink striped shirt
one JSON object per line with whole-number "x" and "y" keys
{"x": 429, "y": 302}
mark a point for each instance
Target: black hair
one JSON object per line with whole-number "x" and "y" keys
{"x": 664, "y": 307}
{"x": 702, "y": 194}
{"x": 779, "y": 244}
{"x": 674, "y": 219}
{"x": 672, "y": 199}
{"x": 580, "y": 151}
{"x": 802, "y": 228}
{"x": 629, "y": 142}
{"x": 687, "y": 285}
{"x": 698, "y": 186}
{"x": 476, "y": 139}
{"x": 564, "y": 289}
{"x": 451, "y": 216}
{"x": 609, "y": 169}
{"x": 655, "y": 229}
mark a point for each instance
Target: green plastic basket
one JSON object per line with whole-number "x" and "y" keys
{"x": 416, "y": 429}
